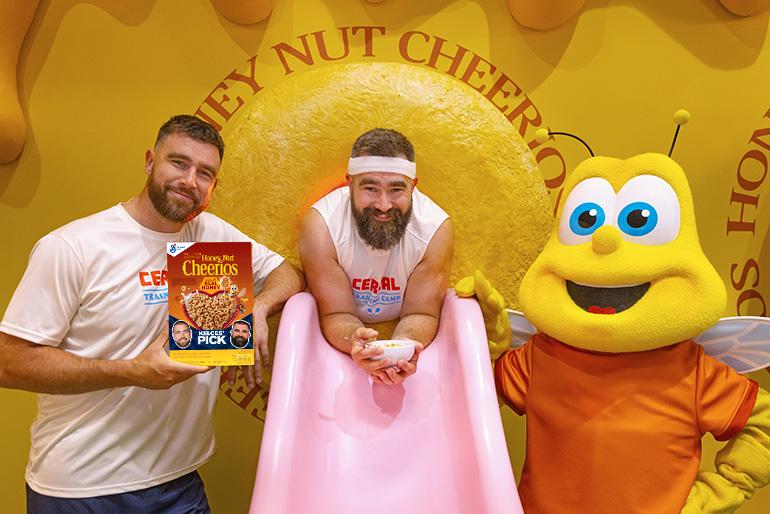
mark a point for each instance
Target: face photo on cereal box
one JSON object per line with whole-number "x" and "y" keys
{"x": 210, "y": 303}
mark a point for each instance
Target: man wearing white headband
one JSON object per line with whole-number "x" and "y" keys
{"x": 387, "y": 243}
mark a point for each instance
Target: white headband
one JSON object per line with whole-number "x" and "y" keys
{"x": 377, "y": 164}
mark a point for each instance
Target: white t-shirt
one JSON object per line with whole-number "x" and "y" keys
{"x": 97, "y": 288}
{"x": 378, "y": 277}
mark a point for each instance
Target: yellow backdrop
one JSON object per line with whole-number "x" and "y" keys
{"x": 99, "y": 76}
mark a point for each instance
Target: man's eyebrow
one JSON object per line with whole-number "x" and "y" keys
{"x": 211, "y": 170}
{"x": 176, "y": 155}
{"x": 186, "y": 158}
{"x": 374, "y": 182}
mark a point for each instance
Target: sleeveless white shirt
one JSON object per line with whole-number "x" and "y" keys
{"x": 378, "y": 277}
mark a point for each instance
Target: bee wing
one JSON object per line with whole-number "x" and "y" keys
{"x": 741, "y": 342}
{"x": 521, "y": 329}
{"x": 242, "y": 293}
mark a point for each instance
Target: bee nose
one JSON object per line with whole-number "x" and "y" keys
{"x": 605, "y": 240}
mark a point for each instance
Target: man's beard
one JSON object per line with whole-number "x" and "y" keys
{"x": 240, "y": 341}
{"x": 381, "y": 235}
{"x": 170, "y": 208}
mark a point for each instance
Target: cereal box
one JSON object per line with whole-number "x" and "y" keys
{"x": 210, "y": 303}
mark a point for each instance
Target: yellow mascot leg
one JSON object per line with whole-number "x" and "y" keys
{"x": 15, "y": 19}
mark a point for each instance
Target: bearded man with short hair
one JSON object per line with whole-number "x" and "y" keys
{"x": 180, "y": 332}
{"x": 240, "y": 333}
{"x": 121, "y": 427}
{"x": 377, "y": 250}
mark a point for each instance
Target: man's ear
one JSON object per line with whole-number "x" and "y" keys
{"x": 349, "y": 180}
{"x": 149, "y": 160}
{"x": 415, "y": 181}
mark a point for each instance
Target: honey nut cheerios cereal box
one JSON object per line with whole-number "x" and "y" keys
{"x": 210, "y": 303}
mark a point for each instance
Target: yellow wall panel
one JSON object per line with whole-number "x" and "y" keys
{"x": 98, "y": 77}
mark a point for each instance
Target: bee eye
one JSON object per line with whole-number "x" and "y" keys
{"x": 590, "y": 204}
{"x": 638, "y": 219}
{"x": 586, "y": 218}
{"x": 648, "y": 211}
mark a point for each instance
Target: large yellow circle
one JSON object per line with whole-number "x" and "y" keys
{"x": 291, "y": 144}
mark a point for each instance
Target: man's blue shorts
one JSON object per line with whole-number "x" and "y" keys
{"x": 184, "y": 495}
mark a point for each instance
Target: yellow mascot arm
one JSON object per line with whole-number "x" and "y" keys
{"x": 492, "y": 309}
{"x": 743, "y": 465}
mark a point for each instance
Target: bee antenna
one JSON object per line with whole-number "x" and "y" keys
{"x": 542, "y": 135}
{"x": 680, "y": 118}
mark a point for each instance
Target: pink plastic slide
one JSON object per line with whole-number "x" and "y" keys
{"x": 335, "y": 443}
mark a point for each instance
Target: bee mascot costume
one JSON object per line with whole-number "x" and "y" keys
{"x": 616, "y": 392}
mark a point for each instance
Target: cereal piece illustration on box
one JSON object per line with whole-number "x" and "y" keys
{"x": 205, "y": 280}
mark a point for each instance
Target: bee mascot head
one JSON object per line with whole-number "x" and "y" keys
{"x": 623, "y": 270}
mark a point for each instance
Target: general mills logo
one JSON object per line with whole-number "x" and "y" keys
{"x": 178, "y": 247}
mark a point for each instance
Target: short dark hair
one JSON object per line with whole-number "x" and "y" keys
{"x": 242, "y": 322}
{"x": 193, "y": 127}
{"x": 383, "y": 142}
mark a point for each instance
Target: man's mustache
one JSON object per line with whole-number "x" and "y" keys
{"x": 371, "y": 211}
{"x": 186, "y": 192}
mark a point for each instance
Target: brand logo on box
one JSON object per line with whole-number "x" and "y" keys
{"x": 176, "y": 248}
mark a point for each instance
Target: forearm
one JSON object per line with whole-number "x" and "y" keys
{"x": 338, "y": 327}
{"x": 418, "y": 327}
{"x": 283, "y": 282}
{"x": 43, "y": 369}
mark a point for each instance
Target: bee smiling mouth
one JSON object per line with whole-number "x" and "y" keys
{"x": 605, "y": 300}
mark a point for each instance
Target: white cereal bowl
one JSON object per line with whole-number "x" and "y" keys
{"x": 393, "y": 349}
